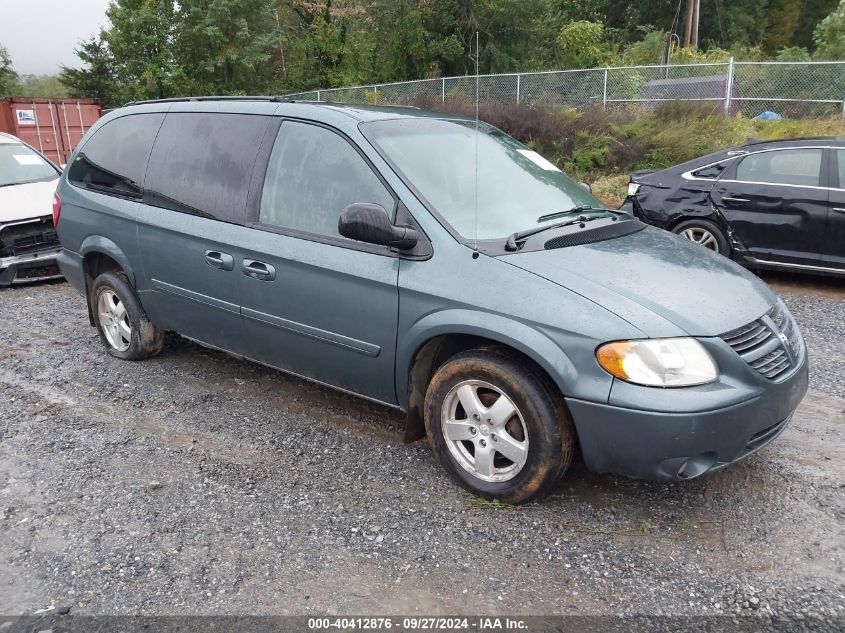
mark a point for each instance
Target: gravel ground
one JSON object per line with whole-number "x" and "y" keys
{"x": 195, "y": 483}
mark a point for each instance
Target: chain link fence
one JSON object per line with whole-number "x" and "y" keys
{"x": 790, "y": 89}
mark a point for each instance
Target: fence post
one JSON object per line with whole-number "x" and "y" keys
{"x": 604, "y": 93}
{"x": 518, "y": 88}
{"x": 729, "y": 87}
{"x": 443, "y": 89}
{"x": 843, "y": 109}
{"x": 318, "y": 96}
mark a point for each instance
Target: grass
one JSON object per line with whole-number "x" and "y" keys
{"x": 603, "y": 147}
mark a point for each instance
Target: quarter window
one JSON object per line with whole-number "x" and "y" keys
{"x": 313, "y": 174}
{"x": 787, "y": 167}
{"x": 711, "y": 171}
{"x": 114, "y": 159}
{"x": 202, "y": 163}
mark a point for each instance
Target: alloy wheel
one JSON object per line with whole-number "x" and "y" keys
{"x": 702, "y": 237}
{"x": 114, "y": 321}
{"x": 484, "y": 431}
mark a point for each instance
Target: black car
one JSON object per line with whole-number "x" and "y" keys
{"x": 767, "y": 204}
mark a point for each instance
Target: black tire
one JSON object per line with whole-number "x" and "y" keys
{"x": 549, "y": 426}
{"x": 721, "y": 241}
{"x": 145, "y": 339}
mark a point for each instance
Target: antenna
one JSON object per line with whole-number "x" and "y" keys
{"x": 477, "y": 91}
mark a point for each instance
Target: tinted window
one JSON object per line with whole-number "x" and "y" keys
{"x": 840, "y": 154}
{"x": 114, "y": 159}
{"x": 312, "y": 176}
{"x": 711, "y": 171}
{"x": 202, "y": 163}
{"x": 788, "y": 167}
{"x": 19, "y": 164}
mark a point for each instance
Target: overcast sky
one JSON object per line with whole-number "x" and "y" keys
{"x": 40, "y": 35}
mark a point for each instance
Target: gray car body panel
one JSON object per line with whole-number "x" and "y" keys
{"x": 356, "y": 318}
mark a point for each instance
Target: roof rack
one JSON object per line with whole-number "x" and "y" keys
{"x": 215, "y": 98}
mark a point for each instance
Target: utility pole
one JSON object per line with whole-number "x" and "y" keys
{"x": 691, "y": 18}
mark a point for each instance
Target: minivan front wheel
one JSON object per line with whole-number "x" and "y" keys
{"x": 496, "y": 427}
{"x": 123, "y": 325}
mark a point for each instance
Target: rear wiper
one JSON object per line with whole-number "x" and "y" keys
{"x": 520, "y": 236}
{"x": 561, "y": 214}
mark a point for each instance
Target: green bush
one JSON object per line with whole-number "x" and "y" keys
{"x": 593, "y": 143}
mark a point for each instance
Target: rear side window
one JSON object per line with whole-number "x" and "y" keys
{"x": 202, "y": 163}
{"x": 114, "y": 159}
{"x": 786, "y": 167}
{"x": 313, "y": 174}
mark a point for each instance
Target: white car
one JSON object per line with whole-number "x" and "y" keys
{"x": 28, "y": 242}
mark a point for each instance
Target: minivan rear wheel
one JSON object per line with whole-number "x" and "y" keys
{"x": 704, "y": 233}
{"x": 496, "y": 427}
{"x": 123, "y": 325}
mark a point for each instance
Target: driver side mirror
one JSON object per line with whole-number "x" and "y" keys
{"x": 367, "y": 222}
{"x": 586, "y": 186}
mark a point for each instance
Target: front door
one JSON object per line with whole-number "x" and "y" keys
{"x": 315, "y": 303}
{"x": 775, "y": 202}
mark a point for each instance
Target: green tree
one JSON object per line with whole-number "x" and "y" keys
{"x": 41, "y": 86}
{"x": 224, "y": 46}
{"x": 96, "y": 79}
{"x": 8, "y": 77}
{"x": 582, "y": 44}
{"x": 829, "y": 35}
{"x": 141, "y": 40}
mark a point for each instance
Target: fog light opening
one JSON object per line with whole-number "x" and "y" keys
{"x": 695, "y": 466}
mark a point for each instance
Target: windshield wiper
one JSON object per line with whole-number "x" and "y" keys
{"x": 561, "y": 214}
{"x": 520, "y": 236}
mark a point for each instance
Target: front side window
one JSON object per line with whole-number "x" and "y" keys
{"x": 782, "y": 167}
{"x": 516, "y": 187}
{"x": 313, "y": 175}
{"x": 114, "y": 159}
{"x": 202, "y": 163}
{"x": 19, "y": 165}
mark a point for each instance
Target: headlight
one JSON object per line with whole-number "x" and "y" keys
{"x": 633, "y": 188}
{"x": 668, "y": 362}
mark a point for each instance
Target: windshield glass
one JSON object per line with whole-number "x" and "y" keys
{"x": 19, "y": 164}
{"x": 516, "y": 186}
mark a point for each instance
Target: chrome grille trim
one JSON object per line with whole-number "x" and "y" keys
{"x": 760, "y": 345}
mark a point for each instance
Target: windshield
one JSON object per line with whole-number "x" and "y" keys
{"x": 516, "y": 186}
{"x": 19, "y": 164}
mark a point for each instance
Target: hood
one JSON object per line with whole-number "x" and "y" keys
{"x": 29, "y": 200}
{"x": 660, "y": 283}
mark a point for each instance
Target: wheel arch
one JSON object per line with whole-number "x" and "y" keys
{"x": 99, "y": 255}
{"x": 438, "y": 337}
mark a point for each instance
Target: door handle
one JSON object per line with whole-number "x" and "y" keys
{"x": 222, "y": 261}
{"x": 258, "y": 270}
{"x": 839, "y": 209}
{"x": 728, "y": 199}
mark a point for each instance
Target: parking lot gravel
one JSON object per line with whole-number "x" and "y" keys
{"x": 196, "y": 483}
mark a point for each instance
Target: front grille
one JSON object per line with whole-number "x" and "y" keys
{"x": 760, "y": 345}
{"x": 27, "y": 237}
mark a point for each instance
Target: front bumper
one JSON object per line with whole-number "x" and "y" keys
{"x": 31, "y": 267}
{"x": 669, "y": 445}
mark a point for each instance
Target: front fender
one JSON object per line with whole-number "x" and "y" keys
{"x": 520, "y": 336}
